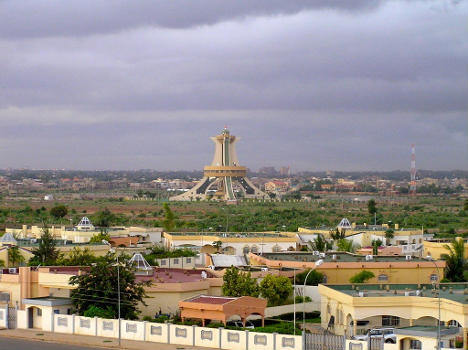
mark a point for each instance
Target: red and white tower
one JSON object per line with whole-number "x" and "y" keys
{"x": 412, "y": 189}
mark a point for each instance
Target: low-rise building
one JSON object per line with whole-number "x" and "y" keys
{"x": 354, "y": 309}
{"x": 339, "y": 267}
{"x": 232, "y": 243}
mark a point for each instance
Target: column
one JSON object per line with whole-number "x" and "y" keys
{"x": 465, "y": 337}
{"x": 354, "y": 327}
{"x": 411, "y": 322}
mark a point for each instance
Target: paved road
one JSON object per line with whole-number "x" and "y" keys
{"x": 19, "y": 344}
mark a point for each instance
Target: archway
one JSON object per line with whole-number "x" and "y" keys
{"x": 34, "y": 317}
{"x": 229, "y": 250}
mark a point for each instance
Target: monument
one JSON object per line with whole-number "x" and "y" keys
{"x": 224, "y": 179}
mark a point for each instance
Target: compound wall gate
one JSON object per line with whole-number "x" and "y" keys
{"x": 12, "y": 318}
{"x": 324, "y": 342}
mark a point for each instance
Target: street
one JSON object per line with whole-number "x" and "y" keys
{"x": 20, "y": 344}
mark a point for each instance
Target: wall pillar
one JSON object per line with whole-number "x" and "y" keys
{"x": 465, "y": 337}
{"x": 354, "y": 327}
{"x": 411, "y": 322}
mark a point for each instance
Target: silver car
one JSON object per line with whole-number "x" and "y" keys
{"x": 388, "y": 335}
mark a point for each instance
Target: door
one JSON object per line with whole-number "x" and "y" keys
{"x": 31, "y": 317}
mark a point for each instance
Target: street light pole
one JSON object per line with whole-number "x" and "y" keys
{"x": 438, "y": 297}
{"x": 317, "y": 263}
{"x": 112, "y": 250}
{"x": 118, "y": 295}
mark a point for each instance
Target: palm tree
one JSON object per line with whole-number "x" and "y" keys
{"x": 389, "y": 234}
{"x": 14, "y": 256}
{"x": 457, "y": 265}
{"x": 319, "y": 244}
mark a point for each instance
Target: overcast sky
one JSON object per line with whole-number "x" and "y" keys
{"x": 317, "y": 85}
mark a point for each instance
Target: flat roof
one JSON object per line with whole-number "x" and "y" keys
{"x": 339, "y": 257}
{"x": 451, "y": 291}
{"x": 207, "y": 299}
{"x": 234, "y": 234}
{"x": 426, "y": 331}
{"x": 47, "y": 301}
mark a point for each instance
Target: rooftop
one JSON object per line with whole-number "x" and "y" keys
{"x": 233, "y": 234}
{"x": 207, "y": 299}
{"x": 335, "y": 257}
{"x": 426, "y": 331}
{"x": 452, "y": 291}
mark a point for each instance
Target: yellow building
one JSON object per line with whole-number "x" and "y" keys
{"x": 353, "y": 309}
{"x": 84, "y": 231}
{"x": 339, "y": 267}
{"x": 436, "y": 248}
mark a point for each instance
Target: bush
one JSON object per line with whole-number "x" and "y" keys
{"x": 362, "y": 277}
{"x": 96, "y": 311}
{"x": 301, "y": 299}
{"x": 314, "y": 278}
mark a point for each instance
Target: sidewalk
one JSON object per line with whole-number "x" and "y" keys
{"x": 85, "y": 340}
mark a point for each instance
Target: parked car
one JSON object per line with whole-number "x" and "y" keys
{"x": 238, "y": 324}
{"x": 388, "y": 334}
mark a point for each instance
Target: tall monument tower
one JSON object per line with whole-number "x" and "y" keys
{"x": 224, "y": 179}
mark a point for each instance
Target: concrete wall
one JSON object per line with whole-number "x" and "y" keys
{"x": 4, "y": 317}
{"x": 181, "y": 263}
{"x": 85, "y": 325}
{"x": 162, "y": 332}
{"x": 283, "y": 309}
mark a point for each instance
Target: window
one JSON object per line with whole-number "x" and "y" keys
{"x": 254, "y": 249}
{"x": 415, "y": 344}
{"x": 325, "y": 278}
{"x": 246, "y": 249}
{"x": 39, "y": 312}
{"x": 163, "y": 262}
{"x": 176, "y": 261}
{"x": 188, "y": 260}
{"x": 454, "y": 323}
{"x": 56, "y": 312}
{"x": 383, "y": 277}
{"x": 434, "y": 277}
{"x": 390, "y": 320}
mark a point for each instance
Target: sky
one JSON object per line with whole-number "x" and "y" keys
{"x": 316, "y": 85}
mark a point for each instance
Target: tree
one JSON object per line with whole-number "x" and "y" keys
{"x": 362, "y": 277}
{"x": 371, "y": 206}
{"x": 389, "y": 234}
{"x": 465, "y": 205}
{"x": 338, "y": 234}
{"x": 276, "y": 289}
{"x": 46, "y": 253}
{"x": 2, "y": 263}
{"x": 376, "y": 243}
{"x": 314, "y": 278}
{"x": 168, "y": 222}
{"x": 237, "y": 284}
{"x": 98, "y": 287}
{"x": 345, "y": 245}
{"x": 78, "y": 257}
{"x": 457, "y": 265}
{"x": 319, "y": 244}
{"x": 14, "y": 256}
{"x": 217, "y": 245}
{"x": 104, "y": 218}
{"x": 99, "y": 237}
{"x": 59, "y": 211}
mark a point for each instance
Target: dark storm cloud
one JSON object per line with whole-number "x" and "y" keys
{"x": 316, "y": 85}
{"x": 36, "y": 18}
